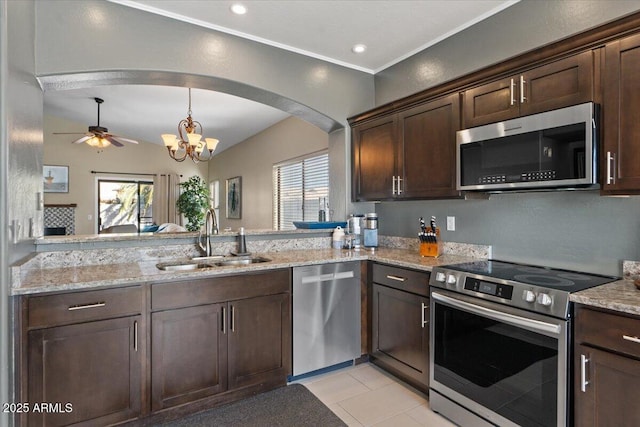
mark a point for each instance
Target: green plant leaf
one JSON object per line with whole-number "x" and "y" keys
{"x": 193, "y": 202}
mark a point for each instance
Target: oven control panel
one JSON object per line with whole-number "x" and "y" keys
{"x": 529, "y": 297}
{"x": 489, "y": 288}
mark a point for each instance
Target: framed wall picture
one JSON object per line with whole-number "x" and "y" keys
{"x": 234, "y": 197}
{"x": 56, "y": 179}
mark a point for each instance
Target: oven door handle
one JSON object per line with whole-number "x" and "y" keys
{"x": 535, "y": 325}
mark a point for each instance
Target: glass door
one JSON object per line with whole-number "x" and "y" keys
{"x": 508, "y": 364}
{"x": 124, "y": 206}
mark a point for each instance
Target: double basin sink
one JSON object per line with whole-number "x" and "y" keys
{"x": 209, "y": 262}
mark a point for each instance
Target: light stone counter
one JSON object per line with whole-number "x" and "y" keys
{"x": 43, "y": 280}
{"x": 620, "y": 295}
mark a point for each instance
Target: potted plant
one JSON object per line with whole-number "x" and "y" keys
{"x": 193, "y": 202}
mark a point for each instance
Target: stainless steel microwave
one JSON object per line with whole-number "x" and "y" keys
{"x": 555, "y": 149}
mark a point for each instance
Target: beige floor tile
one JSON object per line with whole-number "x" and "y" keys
{"x": 400, "y": 420}
{"x": 336, "y": 388}
{"x": 371, "y": 376}
{"x": 377, "y": 405}
{"x": 344, "y": 415}
{"x": 426, "y": 417}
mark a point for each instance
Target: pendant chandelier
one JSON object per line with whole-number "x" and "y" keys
{"x": 193, "y": 146}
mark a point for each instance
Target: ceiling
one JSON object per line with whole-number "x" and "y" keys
{"x": 321, "y": 29}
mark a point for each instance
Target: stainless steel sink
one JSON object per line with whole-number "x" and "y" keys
{"x": 182, "y": 265}
{"x": 242, "y": 261}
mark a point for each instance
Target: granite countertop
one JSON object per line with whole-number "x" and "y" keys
{"x": 59, "y": 279}
{"x": 620, "y": 295}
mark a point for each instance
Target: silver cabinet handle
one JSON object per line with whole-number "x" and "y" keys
{"x": 396, "y": 278}
{"x": 135, "y": 335}
{"x": 522, "y": 97}
{"x": 424, "y": 322}
{"x": 611, "y": 159}
{"x": 511, "y": 86}
{"x": 233, "y": 319}
{"x": 630, "y": 338}
{"x": 393, "y": 186}
{"x": 399, "y": 185}
{"x": 583, "y": 373}
{"x": 85, "y": 306}
{"x": 224, "y": 322}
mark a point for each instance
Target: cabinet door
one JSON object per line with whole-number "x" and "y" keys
{"x": 609, "y": 398}
{"x": 95, "y": 367}
{"x": 559, "y": 84}
{"x": 189, "y": 354}
{"x": 621, "y": 112}
{"x": 374, "y": 147}
{"x": 491, "y": 102}
{"x": 428, "y": 148}
{"x": 401, "y": 334}
{"x": 562, "y": 83}
{"x": 259, "y": 340}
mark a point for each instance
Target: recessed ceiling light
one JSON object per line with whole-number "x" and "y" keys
{"x": 239, "y": 9}
{"x": 359, "y": 48}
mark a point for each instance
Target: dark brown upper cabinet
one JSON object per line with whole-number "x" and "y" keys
{"x": 621, "y": 153}
{"x": 408, "y": 154}
{"x": 374, "y": 165}
{"x": 559, "y": 84}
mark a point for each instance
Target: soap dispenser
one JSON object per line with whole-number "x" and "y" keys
{"x": 242, "y": 242}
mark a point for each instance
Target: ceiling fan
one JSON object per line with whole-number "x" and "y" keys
{"x": 98, "y": 136}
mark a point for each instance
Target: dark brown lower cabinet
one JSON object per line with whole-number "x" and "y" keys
{"x": 205, "y": 350}
{"x": 91, "y": 371}
{"x": 401, "y": 334}
{"x": 214, "y": 339}
{"x": 609, "y": 396}
{"x": 607, "y": 368}
{"x": 259, "y": 340}
{"x": 189, "y": 355}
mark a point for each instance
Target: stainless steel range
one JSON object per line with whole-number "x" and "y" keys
{"x": 500, "y": 342}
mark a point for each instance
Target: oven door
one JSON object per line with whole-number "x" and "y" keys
{"x": 506, "y": 365}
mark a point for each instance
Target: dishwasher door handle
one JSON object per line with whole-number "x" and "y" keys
{"x": 327, "y": 277}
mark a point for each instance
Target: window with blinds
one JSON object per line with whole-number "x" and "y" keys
{"x": 299, "y": 187}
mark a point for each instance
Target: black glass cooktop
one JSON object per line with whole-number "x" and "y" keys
{"x": 566, "y": 280}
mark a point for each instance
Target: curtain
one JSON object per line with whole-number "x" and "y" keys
{"x": 166, "y": 190}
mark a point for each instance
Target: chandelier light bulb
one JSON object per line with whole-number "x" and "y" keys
{"x": 169, "y": 139}
{"x": 212, "y": 143}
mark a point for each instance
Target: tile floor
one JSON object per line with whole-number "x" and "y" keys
{"x": 365, "y": 395}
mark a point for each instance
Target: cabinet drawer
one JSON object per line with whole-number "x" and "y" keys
{"x": 403, "y": 279}
{"x": 60, "y": 309}
{"x": 609, "y": 331}
{"x": 218, "y": 289}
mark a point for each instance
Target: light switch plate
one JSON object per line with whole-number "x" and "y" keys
{"x": 451, "y": 223}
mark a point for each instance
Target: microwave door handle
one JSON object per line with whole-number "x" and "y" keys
{"x": 531, "y": 324}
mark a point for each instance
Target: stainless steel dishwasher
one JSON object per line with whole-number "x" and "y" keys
{"x": 326, "y": 316}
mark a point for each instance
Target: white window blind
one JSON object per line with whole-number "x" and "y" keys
{"x": 298, "y": 188}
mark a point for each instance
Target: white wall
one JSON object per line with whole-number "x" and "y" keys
{"x": 143, "y": 158}
{"x": 253, "y": 160}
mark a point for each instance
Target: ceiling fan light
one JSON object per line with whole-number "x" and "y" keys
{"x": 98, "y": 142}
{"x": 194, "y": 138}
{"x": 212, "y": 143}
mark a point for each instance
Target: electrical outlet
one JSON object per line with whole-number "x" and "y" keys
{"x": 451, "y": 223}
{"x": 89, "y": 217}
